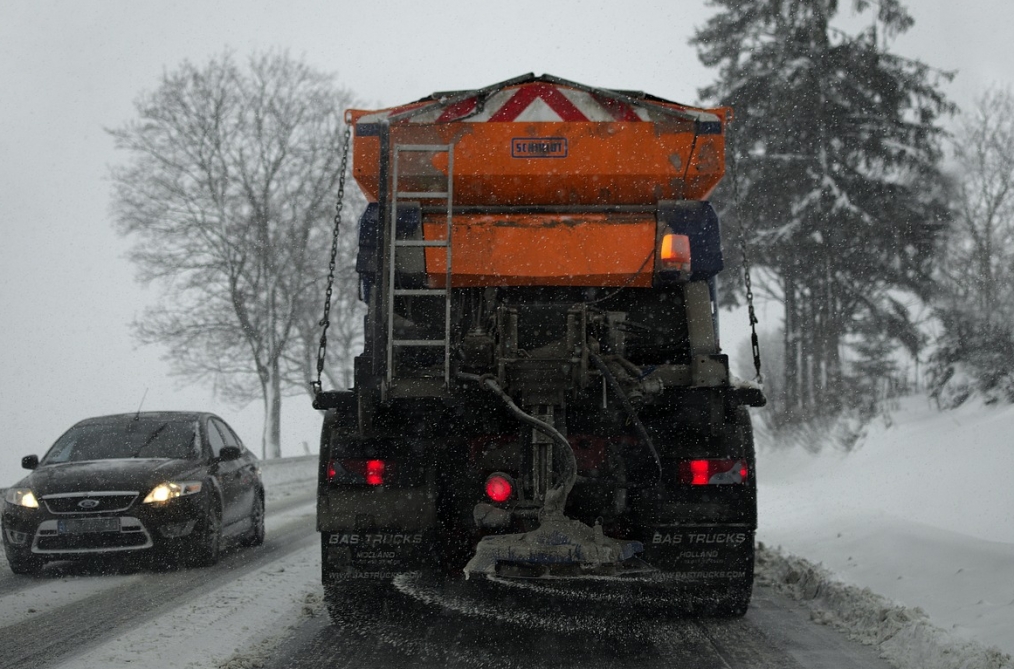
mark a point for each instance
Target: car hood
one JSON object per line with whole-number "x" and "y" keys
{"x": 134, "y": 474}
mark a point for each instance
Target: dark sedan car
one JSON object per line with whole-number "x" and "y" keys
{"x": 171, "y": 485}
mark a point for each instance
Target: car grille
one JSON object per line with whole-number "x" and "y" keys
{"x": 91, "y": 542}
{"x": 131, "y": 535}
{"x": 89, "y": 502}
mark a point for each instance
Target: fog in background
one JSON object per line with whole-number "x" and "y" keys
{"x": 70, "y": 69}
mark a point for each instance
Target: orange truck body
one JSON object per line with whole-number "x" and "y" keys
{"x": 560, "y": 150}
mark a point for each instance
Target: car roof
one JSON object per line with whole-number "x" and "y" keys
{"x": 147, "y": 415}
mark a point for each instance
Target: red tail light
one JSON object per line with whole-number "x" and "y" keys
{"x": 375, "y": 472}
{"x": 499, "y": 487}
{"x": 359, "y": 471}
{"x": 713, "y": 472}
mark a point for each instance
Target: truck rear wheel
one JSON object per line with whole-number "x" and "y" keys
{"x": 353, "y": 600}
{"x": 711, "y": 561}
{"x": 355, "y": 605}
{"x": 735, "y": 601}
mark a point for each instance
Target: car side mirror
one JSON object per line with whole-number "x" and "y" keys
{"x": 30, "y": 462}
{"x": 229, "y": 453}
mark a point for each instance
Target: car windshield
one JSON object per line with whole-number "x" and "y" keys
{"x": 142, "y": 438}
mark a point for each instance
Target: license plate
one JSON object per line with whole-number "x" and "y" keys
{"x": 87, "y": 525}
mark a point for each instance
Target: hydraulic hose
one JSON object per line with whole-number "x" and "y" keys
{"x": 569, "y": 473}
{"x": 614, "y": 386}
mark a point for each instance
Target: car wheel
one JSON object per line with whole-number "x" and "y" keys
{"x": 26, "y": 565}
{"x": 206, "y": 546}
{"x": 255, "y": 537}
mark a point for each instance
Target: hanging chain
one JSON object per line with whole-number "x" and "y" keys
{"x": 325, "y": 322}
{"x": 754, "y": 341}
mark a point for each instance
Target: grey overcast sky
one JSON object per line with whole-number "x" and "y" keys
{"x": 68, "y": 69}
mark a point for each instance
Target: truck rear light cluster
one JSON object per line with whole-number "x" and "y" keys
{"x": 499, "y": 487}
{"x": 675, "y": 252}
{"x": 371, "y": 472}
{"x": 713, "y": 472}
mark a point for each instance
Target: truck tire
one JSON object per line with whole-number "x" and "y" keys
{"x": 342, "y": 594}
{"x": 455, "y": 536}
{"x": 354, "y": 604}
{"x": 736, "y": 600}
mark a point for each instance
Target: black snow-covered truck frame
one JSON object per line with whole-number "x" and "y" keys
{"x": 520, "y": 413}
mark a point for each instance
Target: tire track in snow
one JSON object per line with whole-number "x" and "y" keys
{"x": 81, "y": 624}
{"x": 423, "y": 622}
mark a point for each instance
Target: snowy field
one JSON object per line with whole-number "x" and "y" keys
{"x": 906, "y": 544}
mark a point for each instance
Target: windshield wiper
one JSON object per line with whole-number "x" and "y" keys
{"x": 151, "y": 438}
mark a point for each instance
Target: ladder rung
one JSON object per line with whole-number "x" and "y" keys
{"x": 420, "y": 242}
{"x": 391, "y": 291}
{"x": 422, "y": 147}
{"x": 419, "y": 342}
{"x": 424, "y": 194}
{"x": 421, "y": 292}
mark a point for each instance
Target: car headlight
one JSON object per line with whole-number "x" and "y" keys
{"x": 164, "y": 492}
{"x": 22, "y": 497}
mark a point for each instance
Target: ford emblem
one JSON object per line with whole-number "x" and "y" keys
{"x": 88, "y": 503}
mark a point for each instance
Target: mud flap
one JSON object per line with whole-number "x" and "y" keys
{"x": 375, "y": 554}
{"x": 707, "y": 553}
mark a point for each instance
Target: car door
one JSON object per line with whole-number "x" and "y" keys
{"x": 246, "y": 468}
{"x": 228, "y": 473}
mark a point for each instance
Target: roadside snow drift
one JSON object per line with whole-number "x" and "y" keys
{"x": 921, "y": 512}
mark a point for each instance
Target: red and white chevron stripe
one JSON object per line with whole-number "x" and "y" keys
{"x": 537, "y": 101}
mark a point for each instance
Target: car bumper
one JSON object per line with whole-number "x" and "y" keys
{"x": 141, "y": 527}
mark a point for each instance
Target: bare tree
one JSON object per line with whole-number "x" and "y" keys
{"x": 980, "y": 251}
{"x": 228, "y": 194}
{"x": 345, "y": 332}
{"x": 975, "y": 305}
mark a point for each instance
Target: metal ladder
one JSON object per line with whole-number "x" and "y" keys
{"x": 395, "y": 244}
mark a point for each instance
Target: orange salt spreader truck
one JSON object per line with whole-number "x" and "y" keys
{"x": 541, "y": 392}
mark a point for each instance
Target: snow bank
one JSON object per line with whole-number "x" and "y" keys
{"x": 904, "y": 636}
{"x": 287, "y": 478}
{"x": 288, "y": 470}
{"x": 920, "y": 512}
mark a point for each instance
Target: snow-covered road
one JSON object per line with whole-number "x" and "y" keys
{"x": 82, "y": 617}
{"x": 906, "y": 544}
